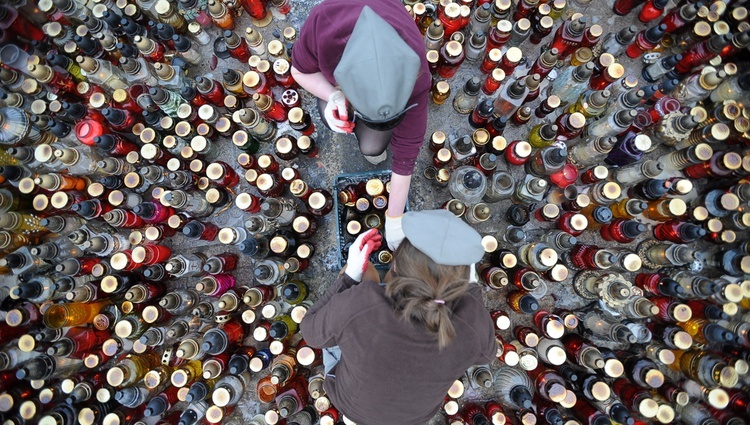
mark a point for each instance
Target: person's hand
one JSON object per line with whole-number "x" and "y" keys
{"x": 336, "y": 113}
{"x": 359, "y": 253}
{"x": 394, "y": 233}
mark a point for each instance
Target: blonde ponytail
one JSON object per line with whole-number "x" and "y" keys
{"x": 422, "y": 291}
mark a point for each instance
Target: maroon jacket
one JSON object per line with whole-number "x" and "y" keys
{"x": 392, "y": 372}
{"x": 322, "y": 41}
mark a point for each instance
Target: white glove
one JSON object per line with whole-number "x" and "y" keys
{"x": 336, "y": 113}
{"x": 394, "y": 233}
{"x": 359, "y": 253}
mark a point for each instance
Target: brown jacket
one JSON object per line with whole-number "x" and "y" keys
{"x": 392, "y": 372}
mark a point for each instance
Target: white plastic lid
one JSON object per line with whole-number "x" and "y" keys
{"x": 457, "y": 389}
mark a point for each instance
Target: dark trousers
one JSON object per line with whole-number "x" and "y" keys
{"x": 371, "y": 142}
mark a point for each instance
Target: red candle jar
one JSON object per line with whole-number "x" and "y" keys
{"x": 301, "y": 121}
{"x": 221, "y": 174}
{"x": 238, "y": 48}
{"x": 200, "y": 230}
{"x": 451, "y": 57}
{"x": 548, "y": 212}
{"x": 491, "y": 61}
{"x": 255, "y": 8}
{"x": 301, "y": 190}
{"x": 150, "y": 254}
{"x": 651, "y": 10}
{"x": 155, "y": 51}
{"x": 227, "y": 260}
{"x": 614, "y": 231}
{"x": 123, "y": 261}
{"x": 501, "y": 319}
{"x": 159, "y": 232}
{"x": 641, "y": 122}
{"x": 211, "y": 90}
{"x": 88, "y": 129}
{"x": 569, "y": 126}
{"x": 582, "y": 256}
{"x": 676, "y": 18}
{"x": 526, "y": 336}
{"x": 669, "y": 231}
{"x": 247, "y": 161}
{"x": 509, "y": 352}
{"x": 649, "y": 282}
{"x": 125, "y": 100}
{"x": 270, "y": 108}
{"x": 15, "y": 23}
{"x": 517, "y": 152}
{"x": 662, "y": 107}
{"x": 282, "y": 73}
{"x": 248, "y": 202}
{"x": 269, "y": 186}
{"x": 84, "y": 265}
{"x": 623, "y": 7}
{"x": 255, "y": 82}
{"x": 55, "y": 81}
{"x": 524, "y": 9}
{"x": 86, "y": 90}
{"x": 494, "y": 412}
{"x": 268, "y": 164}
{"x": 573, "y": 223}
{"x": 305, "y": 225}
{"x": 442, "y": 158}
{"x": 510, "y": 60}
{"x": 121, "y": 120}
{"x": 670, "y": 310}
{"x": 493, "y": 81}
{"x": 264, "y": 67}
{"x": 450, "y": 17}
{"x": 153, "y": 212}
{"x": 565, "y": 177}
{"x": 262, "y": 331}
{"x": 499, "y": 35}
{"x": 115, "y": 145}
{"x": 319, "y": 202}
{"x": 128, "y": 219}
{"x": 645, "y": 41}
{"x": 286, "y": 148}
{"x": 307, "y": 146}
{"x": 611, "y": 74}
{"x": 282, "y": 6}
{"x": 595, "y": 174}
{"x": 289, "y": 174}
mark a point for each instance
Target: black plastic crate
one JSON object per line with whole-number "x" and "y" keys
{"x": 340, "y": 182}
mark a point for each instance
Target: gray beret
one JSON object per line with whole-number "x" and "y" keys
{"x": 377, "y": 70}
{"x": 443, "y": 237}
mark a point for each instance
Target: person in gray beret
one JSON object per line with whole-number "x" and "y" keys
{"x": 365, "y": 62}
{"x": 392, "y": 350}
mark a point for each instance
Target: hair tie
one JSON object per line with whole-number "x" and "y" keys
{"x": 439, "y": 301}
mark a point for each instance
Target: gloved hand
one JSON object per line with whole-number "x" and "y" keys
{"x": 336, "y": 113}
{"x": 394, "y": 233}
{"x": 359, "y": 253}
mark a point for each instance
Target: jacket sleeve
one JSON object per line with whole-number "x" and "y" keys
{"x": 305, "y": 52}
{"x": 488, "y": 343}
{"x": 408, "y": 136}
{"x": 325, "y": 320}
{"x": 485, "y": 328}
